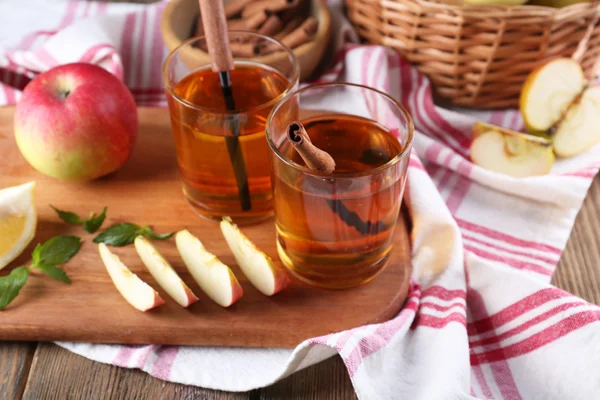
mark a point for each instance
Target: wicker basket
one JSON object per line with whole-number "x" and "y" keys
{"x": 475, "y": 55}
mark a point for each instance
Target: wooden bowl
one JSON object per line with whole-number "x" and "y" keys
{"x": 179, "y": 18}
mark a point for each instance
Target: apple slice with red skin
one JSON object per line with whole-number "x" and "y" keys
{"x": 134, "y": 290}
{"x": 214, "y": 278}
{"x": 511, "y": 153}
{"x": 259, "y": 268}
{"x": 163, "y": 273}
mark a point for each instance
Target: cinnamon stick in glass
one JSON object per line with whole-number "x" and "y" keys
{"x": 217, "y": 40}
{"x": 314, "y": 157}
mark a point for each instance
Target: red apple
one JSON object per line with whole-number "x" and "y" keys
{"x": 76, "y": 122}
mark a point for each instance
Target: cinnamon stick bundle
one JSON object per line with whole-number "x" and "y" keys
{"x": 303, "y": 34}
{"x": 314, "y": 157}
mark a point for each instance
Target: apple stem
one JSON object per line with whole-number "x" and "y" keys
{"x": 63, "y": 94}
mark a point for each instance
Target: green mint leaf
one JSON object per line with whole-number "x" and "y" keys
{"x": 93, "y": 223}
{"x": 147, "y": 232}
{"x": 55, "y": 251}
{"x": 11, "y": 284}
{"x": 119, "y": 235}
{"x": 54, "y": 272}
{"x": 68, "y": 217}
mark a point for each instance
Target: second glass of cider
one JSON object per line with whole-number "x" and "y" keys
{"x": 221, "y": 147}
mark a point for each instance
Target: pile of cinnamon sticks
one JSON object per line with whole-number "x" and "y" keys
{"x": 288, "y": 21}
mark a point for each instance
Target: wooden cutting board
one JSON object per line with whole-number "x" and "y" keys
{"x": 147, "y": 191}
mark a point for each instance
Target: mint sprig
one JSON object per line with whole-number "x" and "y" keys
{"x": 125, "y": 233}
{"x": 91, "y": 225}
{"x": 47, "y": 258}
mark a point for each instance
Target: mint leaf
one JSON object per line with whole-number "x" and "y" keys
{"x": 68, "y": 217}
{"x": 11, "y": 284}
{"x": 119, "y": 235}
{"x": 93, "y": 223}
{"x": 55, "y": 251}
{"x": 54, "y": 272}
{"x": 147, "y": 232}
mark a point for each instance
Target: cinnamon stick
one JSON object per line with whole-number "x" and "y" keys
{"x": 251, "y": 23}
{"x": 217, "y": 40}
{"x": 271, "y": 6}
{"x": 314, "y": 157}
{"x": 321, "y": 161}
{"x": 304, "y": 33}
{"x": 244, "y": 49}
{"x": 235, "y": 7}
{"x": 289, "y": 27}
{"x": 271, "y": 26}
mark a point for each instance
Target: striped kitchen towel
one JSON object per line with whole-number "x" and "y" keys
{"x": 481, "y": 319}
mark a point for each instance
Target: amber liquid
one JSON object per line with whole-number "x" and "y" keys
{"x": 209, "y": 178}
{"x": 338, "y": 233}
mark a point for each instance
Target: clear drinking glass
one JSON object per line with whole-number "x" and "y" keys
{"x": 335, "y": 231}
{"x": 222, "y": 154}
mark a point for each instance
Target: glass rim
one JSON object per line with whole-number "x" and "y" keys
{"x": 295, "y": 75}
{"x": 340, "y": 175}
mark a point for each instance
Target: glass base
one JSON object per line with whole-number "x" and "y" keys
{"x": 246, "y": 218}
{"x": 331, "y": 282}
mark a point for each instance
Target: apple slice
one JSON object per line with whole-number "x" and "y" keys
{"x": 260, "y": 270}
{"x": 548, "y": 92}
{"x": 508, "y": 152}
{"x": 214, "y": 278}
{"x": 137, "y": 292}
{"x": 163, "y": 273}
{"x": 580, "y": 128}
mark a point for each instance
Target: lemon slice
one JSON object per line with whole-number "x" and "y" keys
{"x": 17, "y": 221}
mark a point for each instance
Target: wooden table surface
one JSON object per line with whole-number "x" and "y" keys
{"x": 39, "y": 371}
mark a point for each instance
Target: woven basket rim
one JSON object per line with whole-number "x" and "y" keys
{"x": 461, "y": 5}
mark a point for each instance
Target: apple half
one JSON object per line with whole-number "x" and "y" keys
{"x": 214, "y": 278}
{"x": 163, "y": 273}
{"x": 548, "y": 92}
{"x": 137, "y": 292}
{"x": 508, "y": 152}
{"x": 580, "y": 128}
{"x": 260, "y": 270}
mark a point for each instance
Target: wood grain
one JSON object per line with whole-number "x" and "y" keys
{"x": 15, "y": 361}
{"x": 147, "y": 191}
{"x": 325, "y": 381}
{"x": 578, "y": 271}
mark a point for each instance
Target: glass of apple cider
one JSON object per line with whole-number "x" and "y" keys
{"x": 221, "y": 148}
{"x": 335, "y": 230}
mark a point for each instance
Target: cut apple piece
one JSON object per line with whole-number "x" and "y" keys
{"x": 137, "y": 292}
{"x": 214, "y": 278}
{"x": 548, "y": 92}
{"x": 260, "y": 270}
{"x": 580, "y": 128}
{"x": 163, "y": 273}
{"x": 512, "y": 153}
